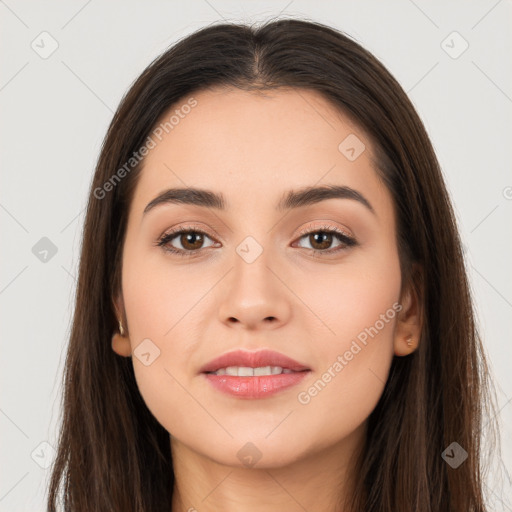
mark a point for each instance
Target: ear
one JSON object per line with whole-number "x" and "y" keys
{"x": 121, "y": 342}
{"x": 409, "y": 324}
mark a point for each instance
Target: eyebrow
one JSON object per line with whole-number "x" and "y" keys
{"x": 290, "y": 200}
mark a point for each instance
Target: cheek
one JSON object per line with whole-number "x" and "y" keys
{"x": 159, "y": 301}
{"x": 158, "y": 295}
{"x": 347, "y": 299}
{"x": 355, "y": 349}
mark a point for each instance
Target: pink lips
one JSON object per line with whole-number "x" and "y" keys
{"x": 260, "y": 386}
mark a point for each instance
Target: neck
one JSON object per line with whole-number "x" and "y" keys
{"x": 316, "y": 482}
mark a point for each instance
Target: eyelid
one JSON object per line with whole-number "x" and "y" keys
{"x": 191, "y": 227}
{"x": 325, "y": 227}
{"x": 304, "y": 231}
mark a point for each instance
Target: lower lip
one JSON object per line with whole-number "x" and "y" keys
{"x": 255, "y": 387}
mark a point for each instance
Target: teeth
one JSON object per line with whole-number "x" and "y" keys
{"x": 245, "y": 371}
{"x": 266, "y": 370}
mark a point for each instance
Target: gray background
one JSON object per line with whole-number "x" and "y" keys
{"x": 54, "y": 114}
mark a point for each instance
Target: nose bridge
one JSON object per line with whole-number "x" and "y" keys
{"x": 254, "y": 293}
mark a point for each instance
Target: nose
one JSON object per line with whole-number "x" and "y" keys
{"x": 255, "y": 296}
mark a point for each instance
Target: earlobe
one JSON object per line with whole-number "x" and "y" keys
{"x": 121, "y": 345}
{"x": 405, "y": 346}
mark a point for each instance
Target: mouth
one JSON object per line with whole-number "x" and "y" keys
{"x": 253, "y": 375}
{"x": 244, "y": 363}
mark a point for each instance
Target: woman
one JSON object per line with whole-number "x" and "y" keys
{"x": 272, "y": 308}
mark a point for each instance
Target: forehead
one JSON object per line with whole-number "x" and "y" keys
{"x": 253, "y": 146}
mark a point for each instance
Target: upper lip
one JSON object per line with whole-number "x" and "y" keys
{"x": 257, "y": 359}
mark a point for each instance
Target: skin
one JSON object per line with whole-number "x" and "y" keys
{"x": 252, "y": 148}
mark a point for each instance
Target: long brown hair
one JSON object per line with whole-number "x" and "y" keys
{"x": 113, "y": 455}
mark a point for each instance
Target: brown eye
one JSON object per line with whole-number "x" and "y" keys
{"x": 190, "y": 240}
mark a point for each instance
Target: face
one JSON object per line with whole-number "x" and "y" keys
{"x": 318, "y": 282}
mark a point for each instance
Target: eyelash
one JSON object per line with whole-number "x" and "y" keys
{"x": 342, "y": 237}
